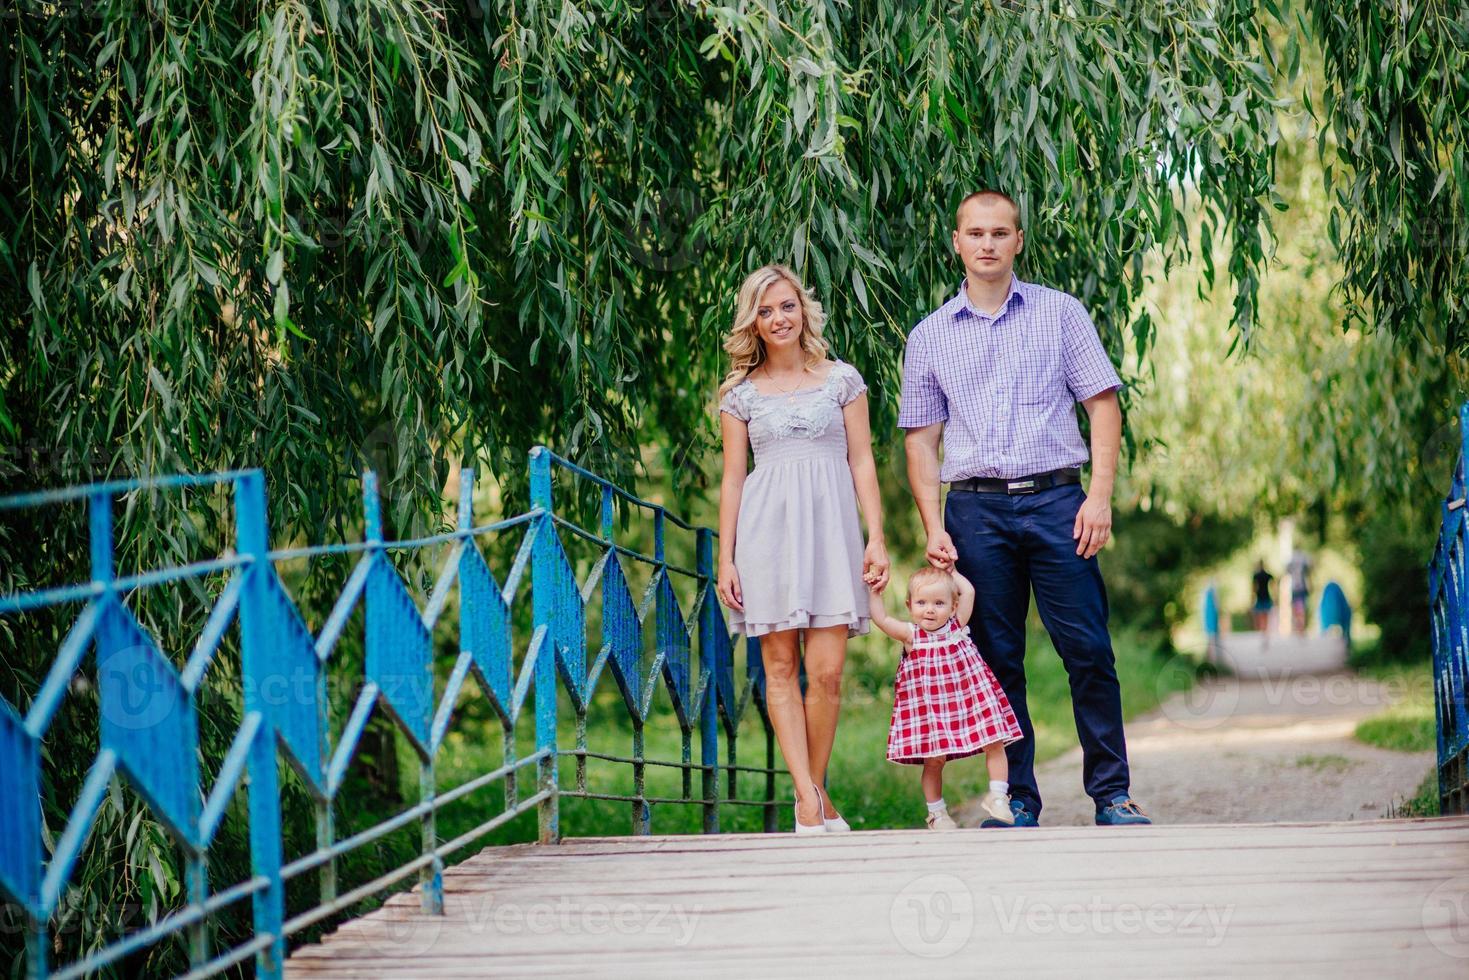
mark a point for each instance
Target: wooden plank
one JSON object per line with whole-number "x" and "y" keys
{"x": 1204, "y": 900}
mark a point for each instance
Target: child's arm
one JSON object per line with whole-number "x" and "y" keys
{"x": 895, "y": 628}
{"x": 965, "y": 607}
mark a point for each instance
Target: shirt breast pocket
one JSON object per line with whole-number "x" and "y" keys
{"x": 968, "y": 389}
{"x": 1042, "y": 377}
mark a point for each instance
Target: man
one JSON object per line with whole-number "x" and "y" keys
{"x": 1298, "y": 570}
{"x": 995, "y": 374}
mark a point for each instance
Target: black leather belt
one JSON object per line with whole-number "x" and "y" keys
{"x": 1024, "y": 484}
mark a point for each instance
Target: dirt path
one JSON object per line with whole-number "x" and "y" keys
{"x": 1250, "y": 751}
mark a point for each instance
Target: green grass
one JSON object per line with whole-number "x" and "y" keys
{"x": 1424, "y": 803}
{"x": 1408, "y": 725}
{"x": 871, "y": 792}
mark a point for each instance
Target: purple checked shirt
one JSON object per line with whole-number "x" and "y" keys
{"x": 1005, "y": 386}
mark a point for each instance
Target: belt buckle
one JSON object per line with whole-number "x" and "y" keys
{"x": 1014, "y": 487}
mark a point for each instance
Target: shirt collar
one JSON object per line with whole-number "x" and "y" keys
{"x": 1018, "y": 294}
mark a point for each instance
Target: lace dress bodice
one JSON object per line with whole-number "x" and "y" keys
{"x": 802, "y": 425}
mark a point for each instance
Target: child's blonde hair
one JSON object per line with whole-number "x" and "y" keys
{"x": 928, "y": 574}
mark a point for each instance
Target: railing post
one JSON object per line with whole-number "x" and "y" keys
{"x": 196, "y": 875}
{"x": 543, "y": 599}
{"x": 709, "y": 621}
{"x": 252, "y": 542}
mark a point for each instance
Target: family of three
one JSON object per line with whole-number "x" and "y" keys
{"x": 993, "y": 378}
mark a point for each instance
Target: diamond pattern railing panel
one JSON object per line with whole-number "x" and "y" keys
{"x": 149, "y": 723}
{"x": 20, "y": 820}
{"x": 622, "y": 631}
{"x": 148, "y": 720}
{"x": 399, "y": 655}
{"x": 484, "y": 628}
{"x": 289, "y": 692}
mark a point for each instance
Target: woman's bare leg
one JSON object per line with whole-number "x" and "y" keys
{"x": 788, "y": 717}
{"x": 826, "y": 655}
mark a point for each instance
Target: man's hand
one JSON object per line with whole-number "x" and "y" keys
{"x": 940, "y": 552}
{"x": 1093, "y": 525}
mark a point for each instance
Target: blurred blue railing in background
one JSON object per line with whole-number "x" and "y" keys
{"x": 149, "y": 727}
{"x": 1446, "y": 596}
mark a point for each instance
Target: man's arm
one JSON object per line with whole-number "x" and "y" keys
{"x": 922, "y": 448}
{"x": 1094, "y": 520}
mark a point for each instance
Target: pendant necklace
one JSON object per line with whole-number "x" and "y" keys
{"x": 789, "y": 393}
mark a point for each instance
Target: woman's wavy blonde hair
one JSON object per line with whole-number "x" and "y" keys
{"x": 743, "y": 344}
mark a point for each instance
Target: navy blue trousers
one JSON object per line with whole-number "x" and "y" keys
{"x": 1009, "y": 545}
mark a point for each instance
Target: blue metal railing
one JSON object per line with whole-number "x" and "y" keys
{"x": 149, "y": 727}
{"x": 1446, "y": 593}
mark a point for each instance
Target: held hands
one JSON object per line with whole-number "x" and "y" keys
{"x": 875, "y": 565}
{"x": 728, "y": 586}
{"x": 1093, "y": 525}
{"x": 941, "y": 552}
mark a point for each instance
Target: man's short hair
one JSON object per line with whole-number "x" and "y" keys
{"x": 988, "y": 194}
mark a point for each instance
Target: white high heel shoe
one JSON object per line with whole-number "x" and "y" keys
{"x": 801, "y": 828}
{"x": 833, "y": 825}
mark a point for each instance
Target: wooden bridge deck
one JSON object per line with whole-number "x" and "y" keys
{"x": 1276, "y": 655}
{"x": 1371, "y": 898}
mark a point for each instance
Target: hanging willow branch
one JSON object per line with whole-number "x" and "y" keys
{"x": 1397, "y": 103}
{"x": 319, "y": 235}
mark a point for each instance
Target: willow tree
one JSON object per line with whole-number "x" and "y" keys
{"x": 313, "y": 235}
{"x": 1397, "y": 106}
{"x": 283, "y": 236}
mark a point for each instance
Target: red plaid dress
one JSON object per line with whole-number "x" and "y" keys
{"x": 946, "y": 702}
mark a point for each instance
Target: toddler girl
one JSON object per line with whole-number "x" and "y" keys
{"x": 946, "y": 702}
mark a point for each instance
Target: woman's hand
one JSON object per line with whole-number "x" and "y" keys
{"x": 875, "y": 565}
{"x": 729, "y": 586}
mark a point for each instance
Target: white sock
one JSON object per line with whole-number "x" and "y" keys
{"x": 999, "y": 786}
{"x": 937, "y": 806}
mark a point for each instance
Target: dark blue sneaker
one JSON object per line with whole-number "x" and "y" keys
{"x": 1122, "y": 811}
{"x": 1023, "y": 817}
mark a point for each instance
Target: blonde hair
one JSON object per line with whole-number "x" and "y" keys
{"x": 743, "y": 344}
{"x": 928, "y": 574}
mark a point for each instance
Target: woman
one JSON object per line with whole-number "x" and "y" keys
{"x": 792, "y": 565}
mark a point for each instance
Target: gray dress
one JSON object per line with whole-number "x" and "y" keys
{"x": 798, "y": 543}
